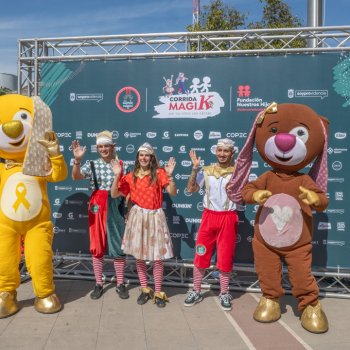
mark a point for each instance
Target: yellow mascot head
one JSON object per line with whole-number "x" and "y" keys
{"x": 23, "y": 121}
{"x": 16, "y": 122}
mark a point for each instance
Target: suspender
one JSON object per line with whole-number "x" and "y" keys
{"x": 94, "y": 177}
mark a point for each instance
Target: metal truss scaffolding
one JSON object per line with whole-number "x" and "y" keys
{"x": 332, "y": 283}
{"x": 280, "y": 41}
{"x": 33, "y": 52}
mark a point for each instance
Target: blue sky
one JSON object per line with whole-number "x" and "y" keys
{"x": 43, "y": 19}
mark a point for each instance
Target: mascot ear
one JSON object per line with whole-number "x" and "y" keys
{"x": 243, "y": 163}
{"x": 319, "y": 170}
{"x": 240, "y": 175}
{"x": 36, "y": 161}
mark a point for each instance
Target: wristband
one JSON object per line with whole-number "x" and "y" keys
{"x": 76, "y": 163}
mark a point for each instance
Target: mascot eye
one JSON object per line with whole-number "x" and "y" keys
{"x": 23, "y": 116}
{"x": 273, "y": 130}
{"x": 300, "y": 132}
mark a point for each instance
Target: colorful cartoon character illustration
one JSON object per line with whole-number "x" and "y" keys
{"x": 30, "y": 158}
{"x": 168, "y": 88}
{"x": 180, "y": 82}
{"x": 288, "y": 137}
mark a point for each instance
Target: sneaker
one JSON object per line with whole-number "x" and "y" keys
{"x": 225, "y": 301}
{"x": 122, "y": 291}
{"x": 97, "y": 292}
{"x": 192, "y": 298}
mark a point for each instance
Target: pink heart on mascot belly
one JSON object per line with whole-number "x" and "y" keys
{"x": 281, "y": 221}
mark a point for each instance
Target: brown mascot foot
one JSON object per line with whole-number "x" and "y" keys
{"x": 314, "y": 320}
{"x": 268, "y": 310}
{"x": 48, "y": 305}
{"x": 8, "y": 304}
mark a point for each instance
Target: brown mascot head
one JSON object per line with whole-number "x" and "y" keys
{"x": 288, "y": 137}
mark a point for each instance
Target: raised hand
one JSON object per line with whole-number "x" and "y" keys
{"x": 50, "y": 142}
{"x": 195, "y": 161}
{"x": 309, "y": 197}
{"x": 116, "y": 167}
{"x": 169, "y": 168}
{"x": 78, "y": 151}
{"x": 261, "y": 196}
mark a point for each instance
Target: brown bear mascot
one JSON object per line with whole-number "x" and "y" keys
{"x": 288, "y": 137}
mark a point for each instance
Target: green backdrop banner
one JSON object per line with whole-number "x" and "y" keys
{"x": 179, "y": 104}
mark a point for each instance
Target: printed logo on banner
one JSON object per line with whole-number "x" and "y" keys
{"x": 186, "y": 193}
{"x": 57, "y": 230}
{"x": 185, "y": 100}
{"x": 339, "y": 196}
{"x": 324, "y": 226}
{"x": 198, "y": 135}
{"x": 213, "y": 149}
{"x": 79, "y": 135}
{"x": 245, "y": 102}
{"x": 166, "y": 135}
{"x": 57, "y": 202}
{"x": 168, "y": 149}
{"x": 336, "y": 166}
{"x": 181, "y": 205}
{"x": 340, "y": 135}
{"x": 200, "y": 206}
{"x": 186, "y": 163}
{"x": 341, "y": 226}
{"x": 128, "y": 99}
{"x": 115, "y": 134}
{"x": 214, "y": 135}
{"x": 130, "y": 148}
{"x": 151, "y": 134}
{"x": 73, "y": 97}
{"x": 307, "y": 93}
{"x": 252, "y": 177}
{"x": 193, "y": 220}
{"x": 182, "y": 149}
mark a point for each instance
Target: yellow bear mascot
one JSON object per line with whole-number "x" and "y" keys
{"x": 30, "y": 157}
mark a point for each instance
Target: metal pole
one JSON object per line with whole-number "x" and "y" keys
{"x": 314, "y": 18}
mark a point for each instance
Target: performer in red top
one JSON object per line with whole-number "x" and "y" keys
{"x": 147, "y": 236}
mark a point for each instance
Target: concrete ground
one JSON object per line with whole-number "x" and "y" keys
{"x": 112, "y": 323}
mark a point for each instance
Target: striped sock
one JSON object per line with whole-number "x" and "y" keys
{"x": 198, "y": 275}
{"x": 158, "y": 269}
{"x": 142, "y": 272}
{"x": 224, "y": 281}
{"x": 119, "y": 268}
{"x": 97, "y": 264}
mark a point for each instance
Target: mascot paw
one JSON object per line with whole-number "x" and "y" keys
{"x": 48, "y": 305}
{"x": 314, "y": 320}
{"x": 268, "y": 310}
{"x": 8, "y": 304}
{"x": 50, "y": 142}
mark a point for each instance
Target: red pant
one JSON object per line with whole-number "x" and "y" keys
{"x": 218, "y": 227}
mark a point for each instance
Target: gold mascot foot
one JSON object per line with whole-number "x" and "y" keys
{"x": 8, "y": 304}
{"x": 48, "y": 305}
{"x": 268, "y": 310}
{"x": 314, "y": 320}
